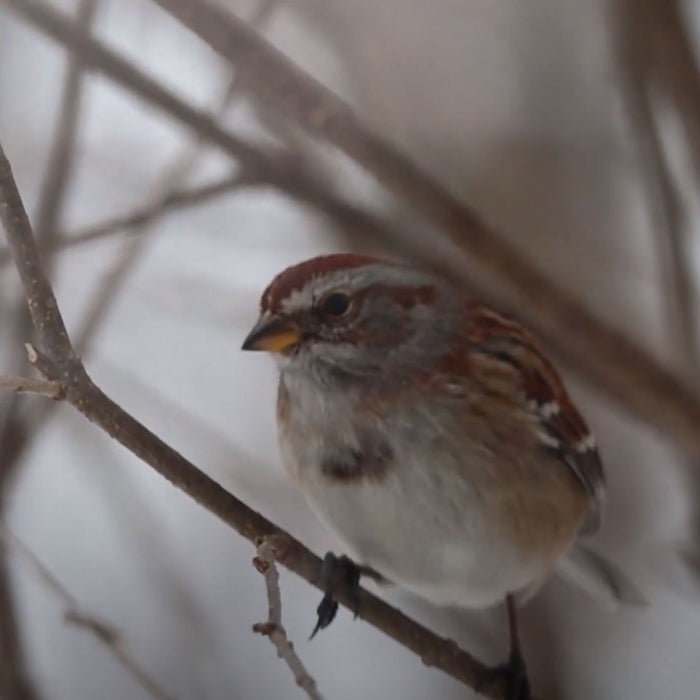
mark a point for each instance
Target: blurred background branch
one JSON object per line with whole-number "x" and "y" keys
{"x": 74, "y": 613}
{"x": 358, "y": 163}
{"x": 57, "y": 361}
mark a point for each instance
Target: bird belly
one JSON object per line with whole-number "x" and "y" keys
{"x": 428, "y": 531}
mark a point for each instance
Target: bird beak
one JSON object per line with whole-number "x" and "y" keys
{"x": 273, "y": 334}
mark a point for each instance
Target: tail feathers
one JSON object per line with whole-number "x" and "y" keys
{"x": 598, "y": 577}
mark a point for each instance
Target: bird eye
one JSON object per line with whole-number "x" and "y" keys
{"x": 335, "y": 304}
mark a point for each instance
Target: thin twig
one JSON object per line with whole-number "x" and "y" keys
{"x": 148, "y": 213}
{"x": 87, "y": 398}
{"x": 63, "y": 151}
{"x": 167, "y": 186}
{"x": 76, "y": 614}
{"x": 273, "y": 628}
{"x": 28, "y": 385}
{"x": 302, "y": 186}
{"x": 144, "y": 214}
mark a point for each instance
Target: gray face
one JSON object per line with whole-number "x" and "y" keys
{"x": 363, "y": 320}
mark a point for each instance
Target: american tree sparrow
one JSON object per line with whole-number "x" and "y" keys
{"x": 430, "y": 433}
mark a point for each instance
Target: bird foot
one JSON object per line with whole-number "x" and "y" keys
{"x": 513, "y": 677}
{"x": 337, "y": 573}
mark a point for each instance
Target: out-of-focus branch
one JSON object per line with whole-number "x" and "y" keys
{"x": 28, "y": 385}
{"x": 273, "y": 628}
{"x": 634, "y": 28}
{"x": 288, "y": 178}
{"x": 277, "y": 171}
{"x": 76, "y": 614}
{"x": 62, "y": 154}
{"x": 163, "y": 194}
{"x": 678, "y": 68}
{"x": 144, "y": 214}
{"x": 15, "y": 679}
{"x": 662, "y": 65}
{"x": 57, "y": 361}
{"x": 99, "y": 57}
{"x": 615, "y": 365}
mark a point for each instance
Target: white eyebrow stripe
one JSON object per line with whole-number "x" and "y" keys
{"x": 356, "y": 277}
{"x": 298, "y": 298}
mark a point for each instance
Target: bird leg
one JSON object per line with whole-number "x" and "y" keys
{"x": 338, "y": 573}
{"x": 513, "y": 673}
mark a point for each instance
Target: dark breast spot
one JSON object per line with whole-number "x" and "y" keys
{"x": 372, "y": 460}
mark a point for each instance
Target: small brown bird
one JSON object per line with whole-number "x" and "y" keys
{"x": 431, "y": 434}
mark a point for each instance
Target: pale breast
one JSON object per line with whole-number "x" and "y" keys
{"x": 418, "y": 500}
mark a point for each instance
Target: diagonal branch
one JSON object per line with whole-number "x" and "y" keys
{"x": 60, "y": 364}
{"x": 77, "y": 615}
{"x": 143, "y": 214}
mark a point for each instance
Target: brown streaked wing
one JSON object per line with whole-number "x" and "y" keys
{"x": 540, "y": 390}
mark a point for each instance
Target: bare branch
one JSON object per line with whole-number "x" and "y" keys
{"x": 276, "y": 171}
{"x": 74, "y": 613}
{"x": 151, "y": 212}
{"x": 235, "y": 89}
{"x": 289, "y": 179}
{"x": 273, "y": 628}
{"x": 98, "y": 57}
{"x": 678, "y": 68}
{"x": 637, "y": 64}
{"x": 89, "y": 400}
{"x": 27, "y": 385}
{"x": 144, "y": 214}
{"x": 62, "y": 154}
{"x": 40, "y": 297}
{"x": 14, "y": 683}
{"x": 15, "y": 678}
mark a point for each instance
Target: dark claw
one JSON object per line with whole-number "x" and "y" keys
{"x": 326, "y": 612}
{"x": 513, "y": 674}
{"x": 336, "y": 573}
